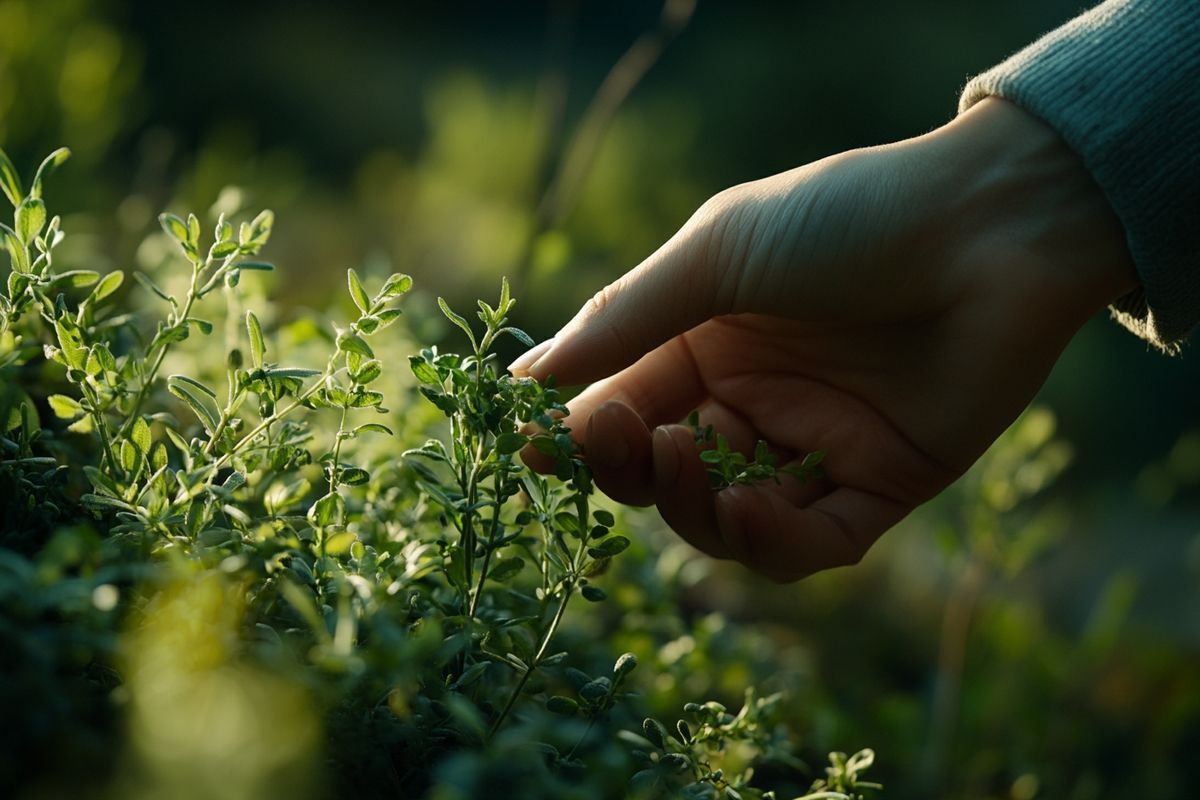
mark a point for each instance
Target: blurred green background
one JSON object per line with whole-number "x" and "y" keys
{"x": 996, "y": 645}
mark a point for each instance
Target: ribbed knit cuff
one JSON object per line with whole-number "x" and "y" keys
{"x": 1121, "y": 85}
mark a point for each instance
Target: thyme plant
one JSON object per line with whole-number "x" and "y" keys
{"x": 179, "y": 521}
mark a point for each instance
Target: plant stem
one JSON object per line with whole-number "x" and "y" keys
{"x": 487, "y": 556}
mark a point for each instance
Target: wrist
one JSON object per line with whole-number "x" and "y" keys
{"x": 1019, "y": 214}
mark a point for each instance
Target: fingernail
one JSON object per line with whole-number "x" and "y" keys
{"x": 666, "y": 458}
{"x": 528, "y": 360}
{"x": 606, "y": 451}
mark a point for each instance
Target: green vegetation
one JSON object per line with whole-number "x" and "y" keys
{"x": 225, "y": 580}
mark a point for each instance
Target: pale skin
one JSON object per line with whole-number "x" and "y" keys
{"x": 895, "y": 307}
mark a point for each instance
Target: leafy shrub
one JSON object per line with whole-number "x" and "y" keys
{"x": 219, "y": 579}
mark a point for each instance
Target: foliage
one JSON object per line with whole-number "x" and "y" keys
{"x": 228, "y": 563}
{"x": 727, "y": 467}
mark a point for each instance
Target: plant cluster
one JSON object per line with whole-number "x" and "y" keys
{"x": 189, "y": 535}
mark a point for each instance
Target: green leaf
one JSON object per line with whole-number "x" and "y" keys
{"x": 457, "y": 320}
{"x": 626, "y": 664}
{"x": 140, "y": 435}
{"x": 357, "y": 293}
{"x": 203, "y": 325}
{"x": 339, "y": 543}
{"x": 593, "y": 593}
{"x": 424, "y": 371}
{"x": 395, "y": 286}
{"x": 255, "y": 234}
{"x": 46, "y": 168}
{"x": 77, "y": 278}
{"x": 326, "y": 510}
{"x": 64, "y": 407}
{"x": 368, "y": 372}
{"x": 506, "y": 569}
{"x": 562, "y": 705}
{"x": 10, "y": 183}
{"x": 258, "y": 347}
{"x": 349, "y": 342}
{"x": 654, "y": 731}
{"x": 107, "y": 285}
{"x": 30, "y": 219}
{"x": 506, "y": 301}
{"x": 255, "y": 266}
{"x": 292, "y": 372}
{"x": 354, "y": 476}
{"x": 223, "y": 250}
{"x": 373, "y": 427}
{"x": 520, "y": 335}
{"x": 510, "y": 442}
{"x": 174, "y": 226}
{"x": 387, "y": 317}
{"x": 198, "y": 397}
{"x": 607, "y": 548}
{"x": 69, "y": 341}
{"x": 605, "y": 518}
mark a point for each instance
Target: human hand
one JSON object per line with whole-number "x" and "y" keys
{"x": 895, "y": 307}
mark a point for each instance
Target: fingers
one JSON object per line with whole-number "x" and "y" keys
{"x": 618, "y": 448}
{"x": 671, "y": 292}
{"x": 786, "y": 542}
{"x": 682, "y": 491}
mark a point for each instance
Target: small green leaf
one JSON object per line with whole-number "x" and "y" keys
{"x": 10, "y": 183}
{"x": 77, "y": 278}
{"x": 593, "y": 593}
{"x": 605, "y": 518}
{"x": 373, "y": 427}
{"x": 174, "y": 226}
{"x": 70, "y": 343}
{"x": 506, "y": 569}
{"x": 107, "y": 285}
{"x": 64, "y": 407}
{"x": 565, "y": 706}
{"x": 368, "y": 372}
{"x": 424, "y": 371}
{"x": 395, "y": 286}
{"x": 326, "y": 510}
{"x": 349, "y": 342}
{"x": 354, "y": 476}
{"x": 255, "y": 266}
{"x": 30, "y": 219}
{"x": 258, "y": 347}
{"x": 292, "y": 372}
{"x": 510, "y": 442}
{"x": 626, "y": 664}
{"x": 140, "y": 435}
{"x": 46, "y": 168}
{"x": 520, "y": 335}
{"x": 203, "y": 325}
{"x": 457, "y": 320}
{"x": 198, "y": 397}
{"x": 357, "y": 293}
{"x": 607, "y": 548}
{"x": 223, "y": 250}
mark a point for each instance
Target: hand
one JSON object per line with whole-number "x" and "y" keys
{"x": 895, "y": 307}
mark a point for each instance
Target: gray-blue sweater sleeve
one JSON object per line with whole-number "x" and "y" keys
{"x": 1121, "y": 85}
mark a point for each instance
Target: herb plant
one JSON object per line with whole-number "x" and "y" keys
{"x": 191, "y": 540}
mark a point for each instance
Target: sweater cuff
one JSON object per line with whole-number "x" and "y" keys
{"x": 1121, "y": 85}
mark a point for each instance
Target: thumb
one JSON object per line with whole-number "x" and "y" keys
{"x": 669, "y": 293}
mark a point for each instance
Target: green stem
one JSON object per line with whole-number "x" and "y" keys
{"x": 487, "y": 556}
